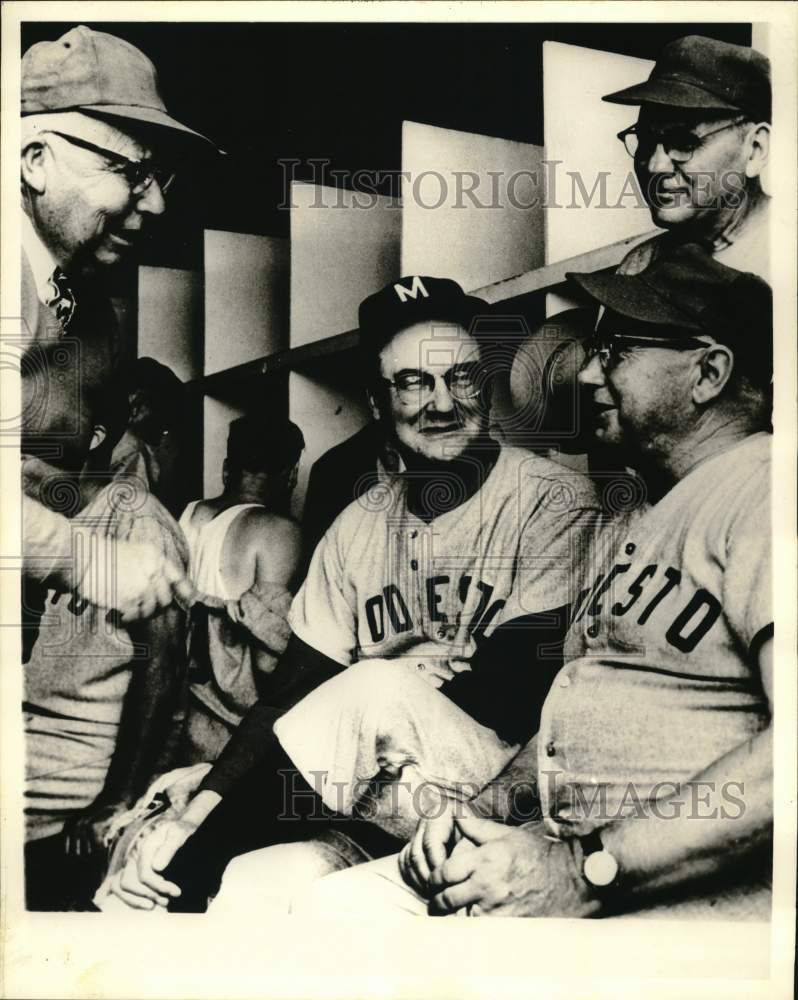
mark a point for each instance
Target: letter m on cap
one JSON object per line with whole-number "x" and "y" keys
{"x": 413, "y": 292}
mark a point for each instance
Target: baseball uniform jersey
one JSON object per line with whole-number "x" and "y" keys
{"x": 383, "y": 580}
{"x": 661, "y": 675}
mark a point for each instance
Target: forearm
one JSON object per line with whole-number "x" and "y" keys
{"x": 300, "y": 670}
{"x": 512, "y": 796}
{"x": 148, "y": 707}
{"x": 722, "y": 815}
{"x": 46, "y": 544}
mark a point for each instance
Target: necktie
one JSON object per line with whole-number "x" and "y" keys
{"x": 62, "y": 301}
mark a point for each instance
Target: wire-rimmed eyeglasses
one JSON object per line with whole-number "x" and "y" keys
{"x": 414, "y": 386}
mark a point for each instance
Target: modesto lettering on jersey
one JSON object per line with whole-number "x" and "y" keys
{"x": 382, "y": 580}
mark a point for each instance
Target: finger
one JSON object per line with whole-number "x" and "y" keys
{"x": 136, "y": 902}
{"x": 456, "y": 868}
{"x": 434, "y": 847}
{"x": 417, "y": 860}
{"x": 454, "y": 897}
{"x": 67, "y": 843}
{"x": 480, "y": 830}
{"x": 131, "y": 884}
{"x": 406, "y": 869}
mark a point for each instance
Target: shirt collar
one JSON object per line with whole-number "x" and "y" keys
{"x": 42, "y": 263}
{"x": 748, "y": 214}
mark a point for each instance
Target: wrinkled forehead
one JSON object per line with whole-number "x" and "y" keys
{"x": 662, "y": 116}
{"x": 433, "y": 345}
{"x": 95, "y": 130}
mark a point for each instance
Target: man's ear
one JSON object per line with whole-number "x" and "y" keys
{"x": 225, "y": 472}
{"x": 97, "y": 438}
{"x": 759, "y": 143}
{"x": 713, "y": 373}
{"x": 373, "y": 405}
{"x": 32, "y": 166}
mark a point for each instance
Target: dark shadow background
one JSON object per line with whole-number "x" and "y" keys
{"x": 340, "y": 92}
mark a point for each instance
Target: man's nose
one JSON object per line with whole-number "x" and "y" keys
{"x": 658, "y": 161}
{"x": 441, "y": 397}
{"x": 591, "y": 373}
{"x": 151, "y": 199}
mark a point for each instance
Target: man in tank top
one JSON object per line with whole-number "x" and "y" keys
{"x": 245, "y": 554}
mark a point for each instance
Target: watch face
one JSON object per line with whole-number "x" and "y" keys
{"x": 600, "y": 868}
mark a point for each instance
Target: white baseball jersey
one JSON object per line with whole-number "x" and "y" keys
{"x": 663, "y": 676}
{"x": 383, "y": 580}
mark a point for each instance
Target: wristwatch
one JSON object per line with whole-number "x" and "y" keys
{"x": 599, "y": 867}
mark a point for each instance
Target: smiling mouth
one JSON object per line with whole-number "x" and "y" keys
{"x": 442, "y": 429}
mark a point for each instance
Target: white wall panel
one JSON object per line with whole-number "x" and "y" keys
{"x": 471, "y": 205}
{"x": 344, "y": 246}
{"x": 580, "y": 131}
{"x": 170, "y": 319}
{"x": 246, "y": 298}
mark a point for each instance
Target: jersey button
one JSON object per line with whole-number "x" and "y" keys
{"x": 630, "y": 548}
{"x": 414, "y": 564}
{"x": 551, "y": 750}
{"x": 593, "y": 630}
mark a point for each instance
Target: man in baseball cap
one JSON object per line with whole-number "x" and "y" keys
{"x": 351, "y": 468}
{"x": 425, "y": 633}
{"x": 699, "y": 146}
{"x": 667, "y": 683}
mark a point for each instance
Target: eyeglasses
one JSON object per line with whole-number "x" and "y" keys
{"x": 679, "y": 143}
{"x": 139, "y": 174}
{"x": 607, "y": 347}
{"x": 464, "y": 382}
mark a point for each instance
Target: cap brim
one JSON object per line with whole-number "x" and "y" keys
{"x": 674, "y": 93}
{"x": 630, "y": 295}
{"x": 149, "y": 116}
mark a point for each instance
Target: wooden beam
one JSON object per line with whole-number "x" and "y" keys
{"x": 542, "y": 279}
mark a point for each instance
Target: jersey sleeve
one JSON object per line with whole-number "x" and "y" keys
{"x": 553, "y": 544}
{"x": 322, "y": 614}
{"x": 748, "y": 572}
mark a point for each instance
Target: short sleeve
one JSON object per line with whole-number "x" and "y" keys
{"x": 154, "y": 525}
{"x": 554, "y": 544}
{"x": 322, "y": 614}
{"x": 748, "y": 573}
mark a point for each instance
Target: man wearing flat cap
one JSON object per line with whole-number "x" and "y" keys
{"x": 94, "y": 172}
{"x": 653, "y": 761}
{"x": 699, "y": 146}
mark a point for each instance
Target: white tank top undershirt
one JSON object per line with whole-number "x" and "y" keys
{"x": 206, "y": 543}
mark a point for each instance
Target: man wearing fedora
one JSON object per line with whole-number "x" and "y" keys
{"x": 700, "y": 144}
{"x": 94, "y": 173}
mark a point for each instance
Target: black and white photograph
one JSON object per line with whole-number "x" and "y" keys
{"x": 399, "y": 499}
